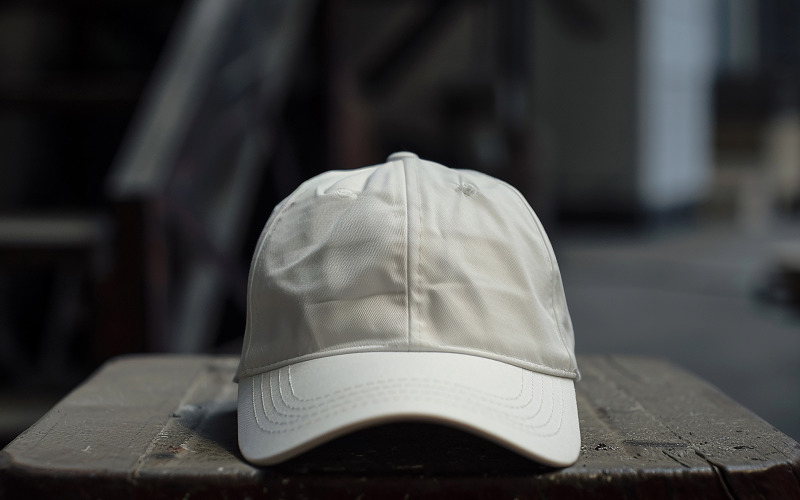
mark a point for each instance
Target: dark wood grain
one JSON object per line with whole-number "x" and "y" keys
{"x": 165, "y": 427}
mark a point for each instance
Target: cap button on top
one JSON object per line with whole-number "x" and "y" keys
{"x": 400, "y": 155}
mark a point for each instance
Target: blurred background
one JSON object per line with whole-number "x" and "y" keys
{"x": 143, "y": 145}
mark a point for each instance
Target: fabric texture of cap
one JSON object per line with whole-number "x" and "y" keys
{"x": 406, "y": 291}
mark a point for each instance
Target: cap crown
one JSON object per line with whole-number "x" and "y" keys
{"x": 406, "y": 256}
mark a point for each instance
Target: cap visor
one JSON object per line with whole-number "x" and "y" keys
{"x": 289, "y": 410}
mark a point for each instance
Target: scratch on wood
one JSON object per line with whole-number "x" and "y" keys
{"x": 717, "y": 468}
{"x": 676, "y": 459}
{"x": 200, "y": 378}
{"x": 656, "y": 444}
{"x": 792, "y": 458}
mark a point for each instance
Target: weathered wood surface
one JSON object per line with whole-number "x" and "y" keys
{"x": 165, "y": 427}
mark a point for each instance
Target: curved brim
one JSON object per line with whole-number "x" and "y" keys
{"x": 289, "y": 410}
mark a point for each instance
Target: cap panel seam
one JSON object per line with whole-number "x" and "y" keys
{"x": 262, "y": 242}
{"x": 408, "y": 254}
{"x": 553, "y": 270}
{"x": 413, "y": 202}
{"x": 518, "y": 362}
{"x": 419, "y": 256}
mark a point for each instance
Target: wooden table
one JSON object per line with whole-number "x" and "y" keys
{"x": 165, "y": 427}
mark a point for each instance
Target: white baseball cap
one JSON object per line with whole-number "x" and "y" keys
{"x": 406, "y": 291}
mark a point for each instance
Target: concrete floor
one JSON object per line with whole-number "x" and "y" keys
{"x": 689, "y": 294}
